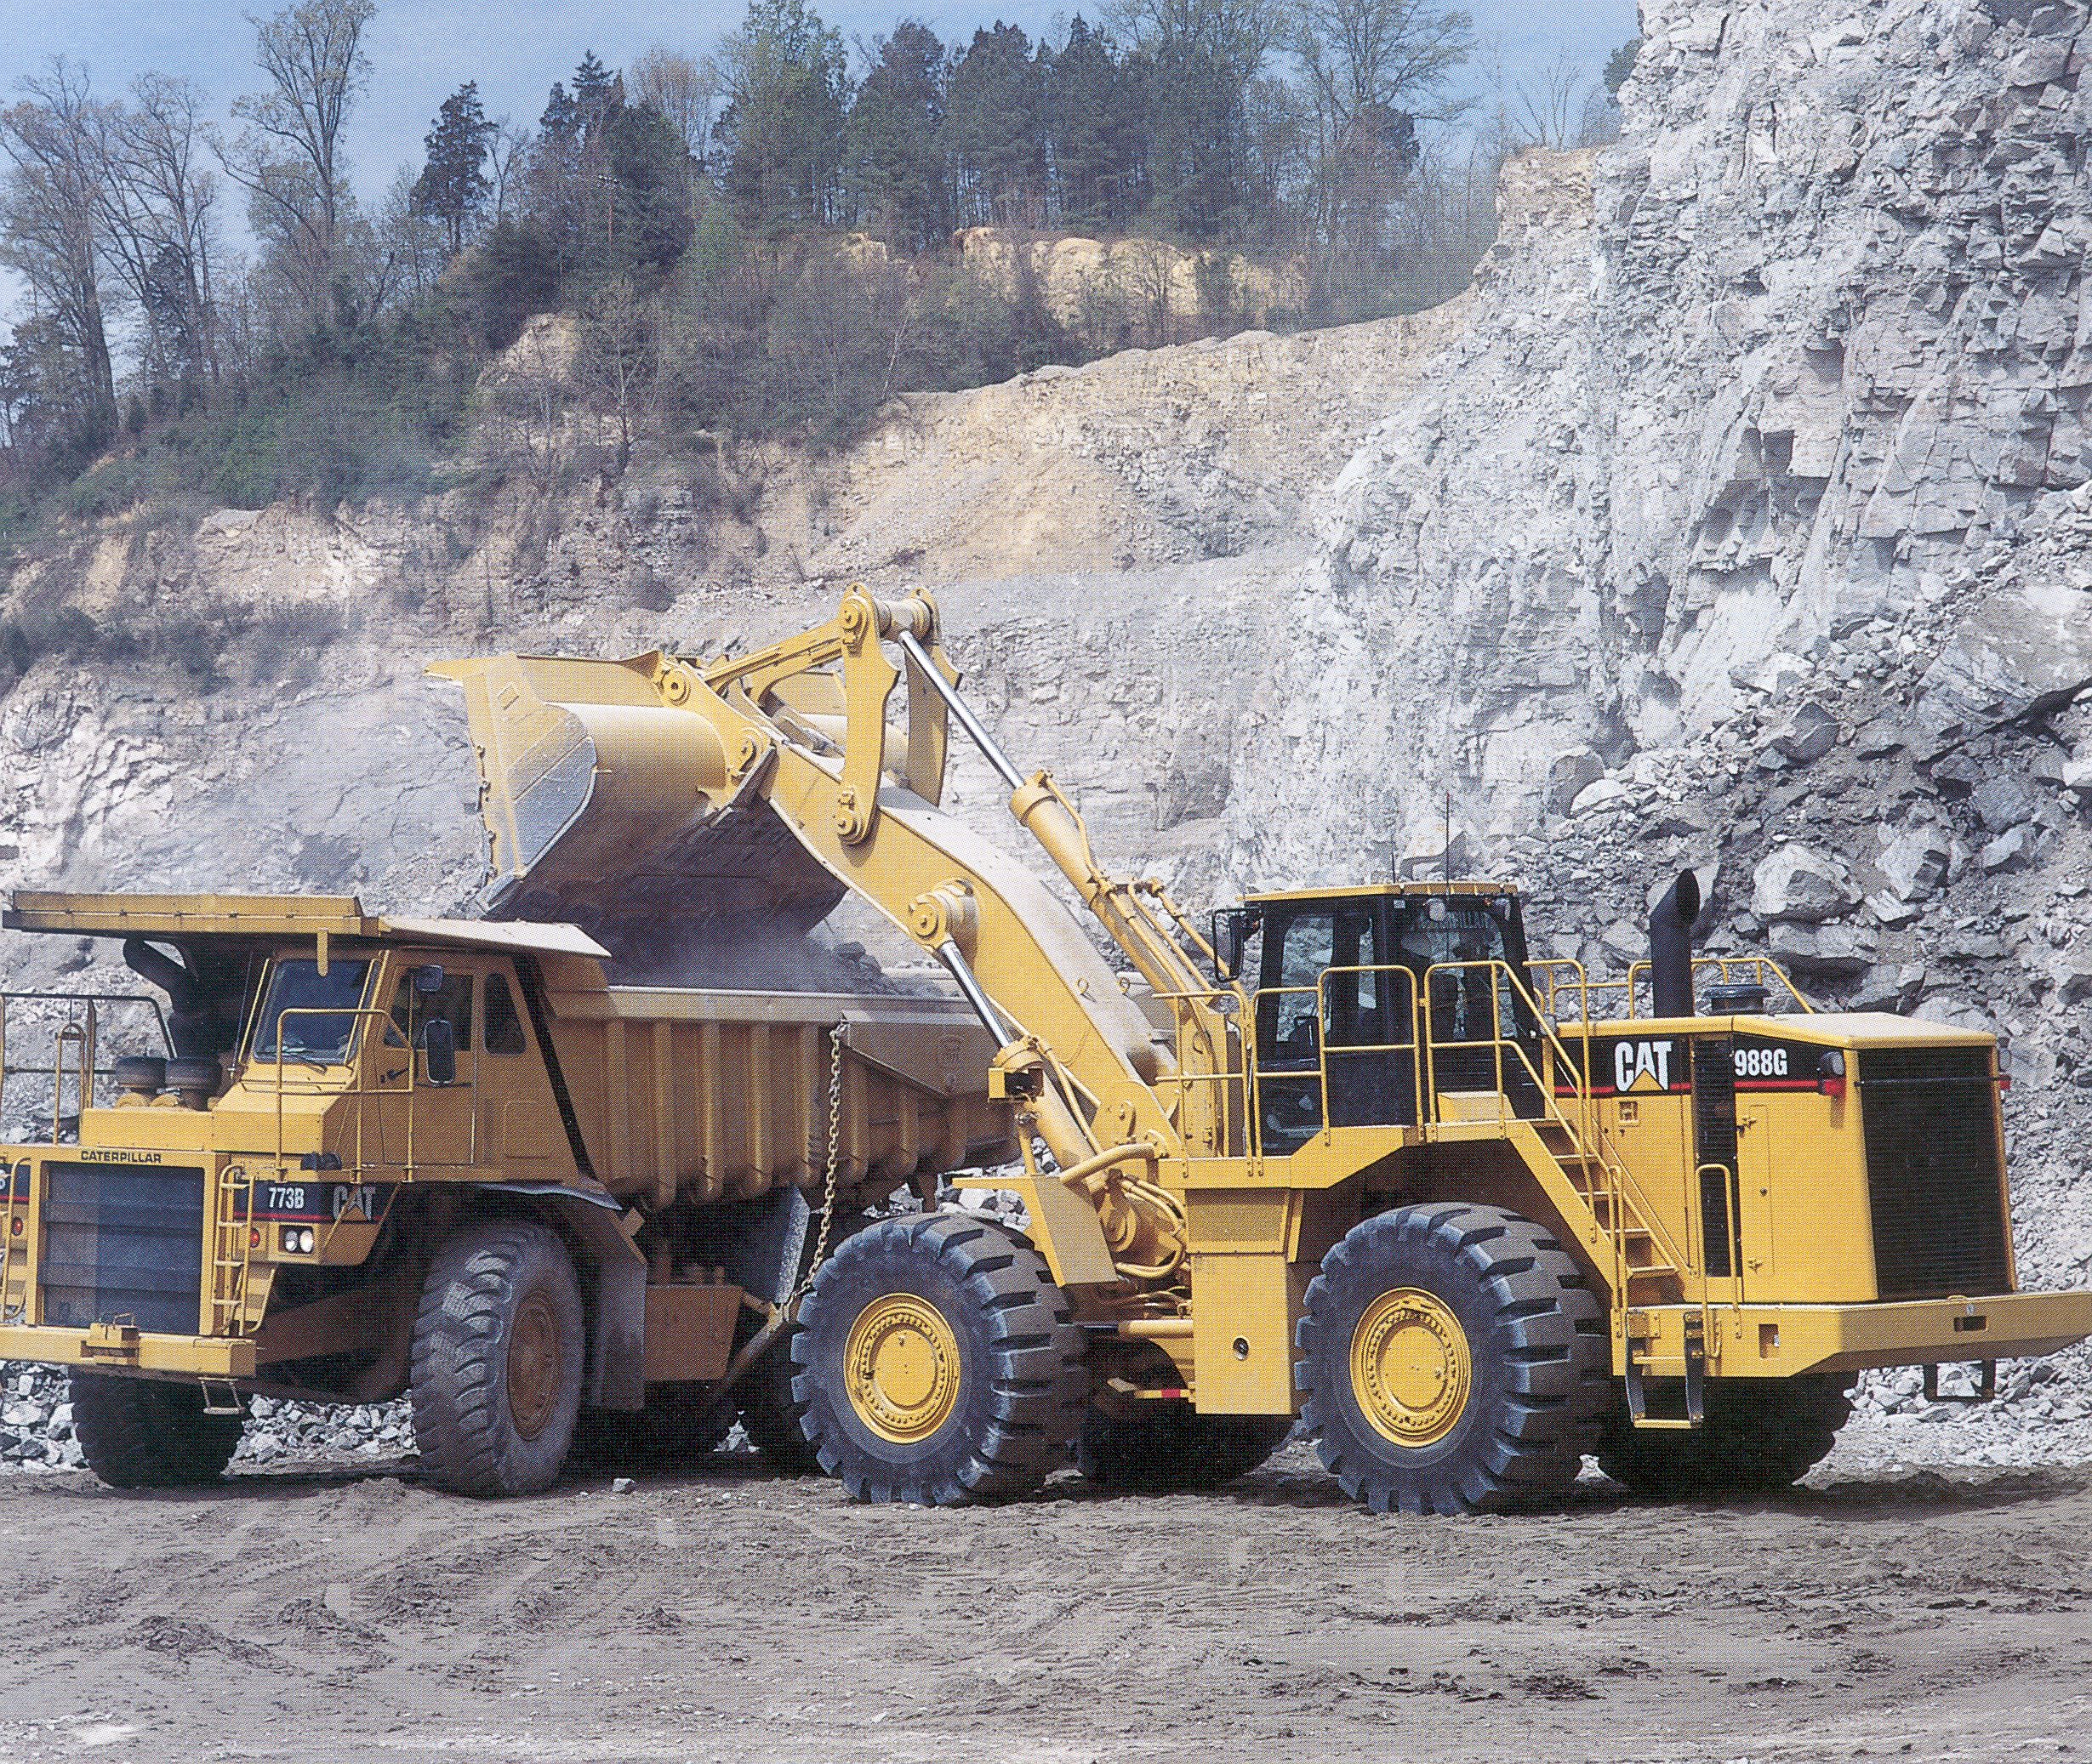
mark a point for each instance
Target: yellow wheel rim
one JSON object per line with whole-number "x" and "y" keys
{"x": 902, "y": 1368}
{"x": 1411, "y": 1368}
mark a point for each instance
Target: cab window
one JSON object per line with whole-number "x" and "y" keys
{"x": 413, "y": 1011}
{"x": 505, "y": 1028}
{"x": 312, "y": 1012}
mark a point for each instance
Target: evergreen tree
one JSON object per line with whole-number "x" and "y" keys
{"x": 893, "y": 154}
{"x": 649, "y": 167}
{"x": 782, "y": 125}
{"x": 453, "y": 187}
{"x": 1094, "y": 126}
{"x": 994, "y": 120}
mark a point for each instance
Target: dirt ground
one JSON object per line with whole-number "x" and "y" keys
{"x": 346, "y": 1613}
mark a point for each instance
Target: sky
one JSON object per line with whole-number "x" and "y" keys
{"x": 422, "y": 51}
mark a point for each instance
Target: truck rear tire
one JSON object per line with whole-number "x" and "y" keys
{"x": 1165, "y": 1447}
{"x": 1453, "y": 1360}
{"x": 500, "y": 1344}
{"x": 938, "y": 1363}
{"x": 139, "y": 1433}
{"x": 1756, "y": 1438}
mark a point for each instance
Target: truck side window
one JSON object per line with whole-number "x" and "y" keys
{"x": 453, "y": 1001}
{"x": 505, "y": 1028}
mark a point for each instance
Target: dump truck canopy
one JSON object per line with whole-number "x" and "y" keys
{"x": 273, "y": 916}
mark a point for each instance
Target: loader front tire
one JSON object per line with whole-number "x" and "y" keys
{"x": 138, "y": 1433}
{"x": 498, "y": 1348}
{"x": 1452, "y": 1359}
{"x": 1756, "y": 1438}
{"x": 938, "y": 1363}
{"x": 1167, "y": 1447}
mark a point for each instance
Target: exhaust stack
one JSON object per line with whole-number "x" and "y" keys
{"x": 1670, "y": 945}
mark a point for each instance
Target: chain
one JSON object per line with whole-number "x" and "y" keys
{"x": 835, "y": 1163}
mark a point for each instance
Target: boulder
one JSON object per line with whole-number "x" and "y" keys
{"x": 2007, "y": 852}
{"x": 1915, "y": 863}
{"x": 1596, "y": 798}
{"x": 1809, "y": 734}
{"x": 1823, "y": 952}
{"x": 2003, "y": 801}
{"x": 1801, "y": 884}
{"x": 1568, "y": 777}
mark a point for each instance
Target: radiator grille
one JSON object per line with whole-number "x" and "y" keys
{"x": 122, "y": 1241}
{"x": 1933, "y": 1179}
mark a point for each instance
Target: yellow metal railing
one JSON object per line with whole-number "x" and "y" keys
{"x": 354, "y": 1084}
{"x": 80, "y": 1035}
{"x": 1628, "y": 1210}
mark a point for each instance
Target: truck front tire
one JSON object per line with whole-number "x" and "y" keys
{"x": 938, "y": 1363}
{"x": 499, "y": 1346}
{"x": 139, "y": 1433}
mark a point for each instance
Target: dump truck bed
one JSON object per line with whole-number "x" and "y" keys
{"x": 719, "y": 1094}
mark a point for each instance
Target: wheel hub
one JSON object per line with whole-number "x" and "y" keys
{"x": 901, "y": 1367}
{"x": 1412, "y": 1370}
{"x": 535, "y": 1363}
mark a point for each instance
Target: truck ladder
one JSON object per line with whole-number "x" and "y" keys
{"x": 237, "y": 1298}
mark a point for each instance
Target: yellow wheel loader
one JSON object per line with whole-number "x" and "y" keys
{"x": 1347, "y": 1155}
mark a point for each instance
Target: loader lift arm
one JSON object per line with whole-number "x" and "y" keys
{"x": 618, "y": 792}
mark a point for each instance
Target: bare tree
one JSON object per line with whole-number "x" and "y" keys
{"x": 508, "y": 163}
{"x": 159, "y": 141}
{"x": 1391, "y": 55}
{"x": 684, "y": 91}
{"x": 288, "y": 158}
{"x": 1548, "y": 109}
{"x": 52, "y": 224}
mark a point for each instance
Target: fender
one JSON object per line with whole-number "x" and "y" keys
{"x": 616, "y": 1376}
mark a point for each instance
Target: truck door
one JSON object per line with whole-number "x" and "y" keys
{"x": 441, "y": 1117}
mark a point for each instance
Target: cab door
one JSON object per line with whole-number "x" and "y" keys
{"x": 1325, "y": 1017}
{"x": 434, "y": 1123}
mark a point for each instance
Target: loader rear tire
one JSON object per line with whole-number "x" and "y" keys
{"x": 1453, "y": 1360}
{"x": 138, "y": 1433}
{"x": 937, "y": 1363}
{"x": 498, "y": 1348}
{"x": 1167, "y": 1447}
{"x": 1756, "y": 1438}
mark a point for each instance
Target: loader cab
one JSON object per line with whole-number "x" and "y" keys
{"x": 1371, "y": 1004}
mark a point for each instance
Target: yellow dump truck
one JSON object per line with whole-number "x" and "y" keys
{"x": 378, "y": 1155}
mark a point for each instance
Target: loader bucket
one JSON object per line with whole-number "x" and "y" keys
{"x": 607, "y": 809}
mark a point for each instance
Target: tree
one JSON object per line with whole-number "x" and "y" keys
{"x": 1375, "y": 69}
{"x": 684, "y": 91}
{"x": 995, "y": 120}
{"x": 289, "y": 159}
{"x": 783, "y": 125}
{"x": 1094, "y": 130}
{"x": 893, "y": 154}
{"x": 168, "y": 199}
{"x": 453, "y": 186}
{"x": 649, "y": 188}
{"x": 53, "y": 226}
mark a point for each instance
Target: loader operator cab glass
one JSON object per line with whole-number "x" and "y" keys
{"x": 1464, "y": 950}
{"x": 311, "y": 1013}
{"x": 1320, "y": 1018}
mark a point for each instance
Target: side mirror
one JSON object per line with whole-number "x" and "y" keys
{"x": 428, "y": 979}
{"x": 439, "y": 1045}
{"x": 1229, "y": 933}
